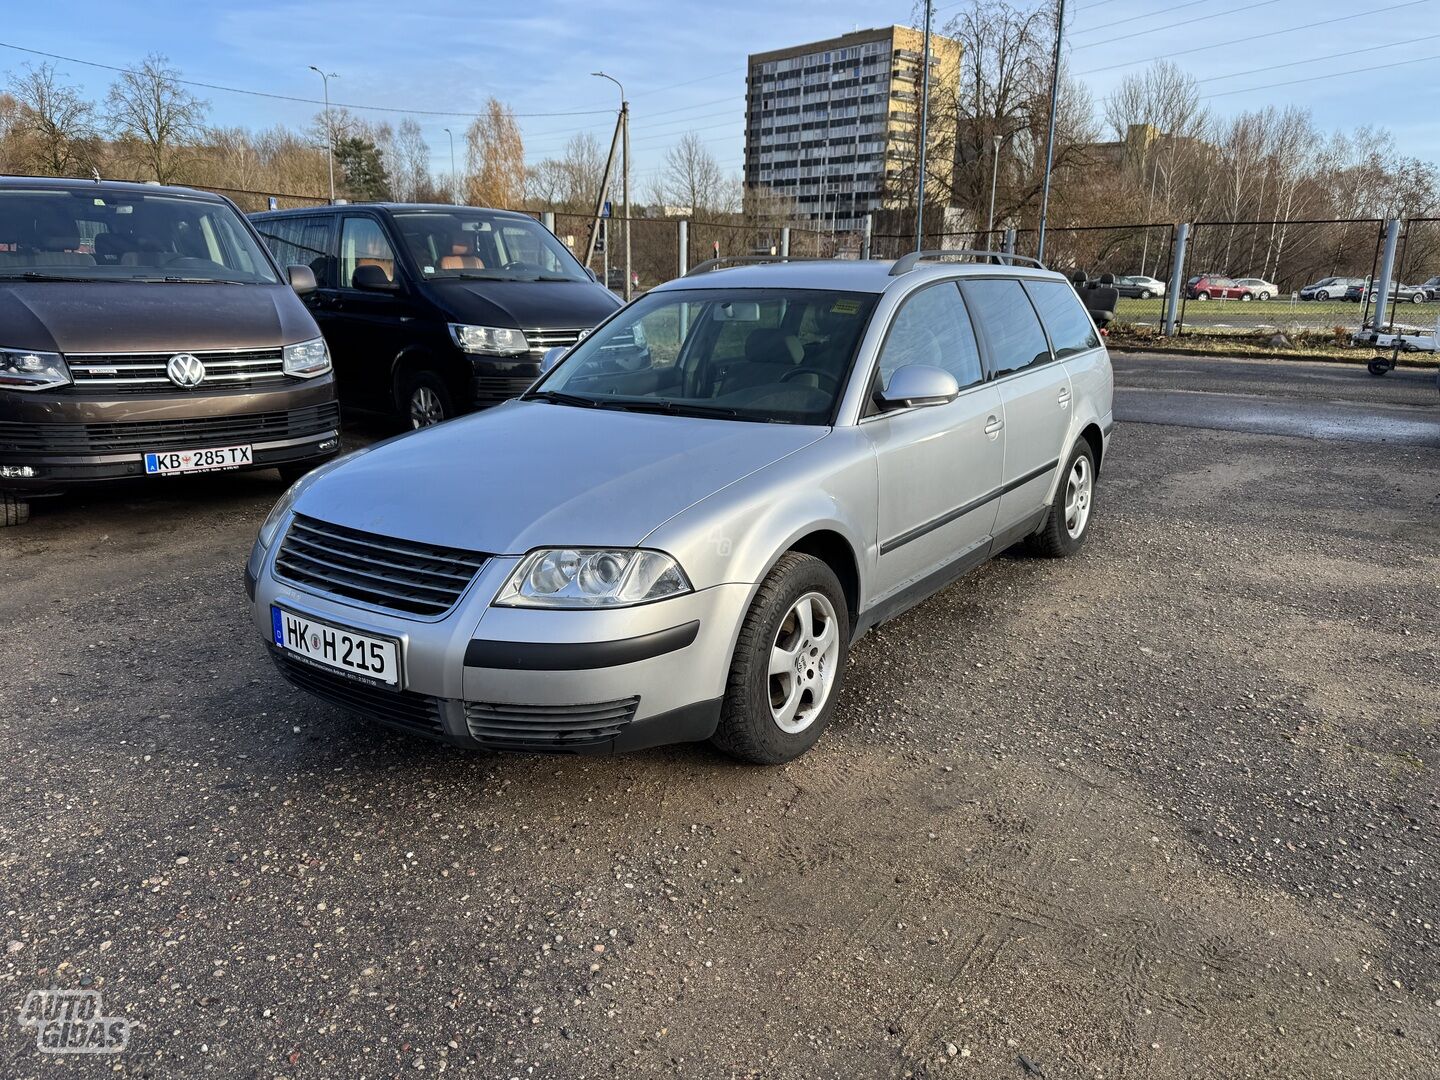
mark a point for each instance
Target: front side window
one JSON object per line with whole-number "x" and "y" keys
{"x": 766, "y": 355}
{"x": 933, "y": 328}
{"x": 459, "y": 242}
{"x": 363, "y": 243}
{"x": 1008, "y": 322}
{"x": 101, "y": 234}
{"x": 1072, "y": 331}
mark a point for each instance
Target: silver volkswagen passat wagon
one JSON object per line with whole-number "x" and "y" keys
{"x": 679, "y": 531}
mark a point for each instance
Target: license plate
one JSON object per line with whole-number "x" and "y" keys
{"x": 365, "y": 656}
{"x": 166, "y": 462}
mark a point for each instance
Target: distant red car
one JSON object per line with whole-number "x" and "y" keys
{"x": 1210, "y": 287}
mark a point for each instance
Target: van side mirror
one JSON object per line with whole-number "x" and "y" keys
{"x": 917, "y": 385}
{"x": 369, "y": 276}
{"x": 551, "y": 358}
{"x": 302, "y": 279}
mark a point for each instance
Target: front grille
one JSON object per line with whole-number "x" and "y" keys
{"x": 144, "y": 373}
{"x": 549, "y": 726}
{"x": 404, "y": 708}
{"x": 543, "y": 340}
{"x": 402, "y": 576}
{"x": 149, "y": 435}
{"x": 494, "y": 389}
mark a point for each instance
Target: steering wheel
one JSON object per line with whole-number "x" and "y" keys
{"x": 819, "y": 372}
{"x": 518, "y": 264}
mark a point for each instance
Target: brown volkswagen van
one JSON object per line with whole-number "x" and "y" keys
{"x": 146, "y": 331}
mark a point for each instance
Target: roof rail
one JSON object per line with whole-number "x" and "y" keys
{"x": 715, "y": 264}
{"x": 906, "y": 263}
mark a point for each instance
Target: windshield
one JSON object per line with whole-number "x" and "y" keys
{"x": 100, "y": 235}
{"x": 459, "y": 242}
{"x": 778, "y": 356}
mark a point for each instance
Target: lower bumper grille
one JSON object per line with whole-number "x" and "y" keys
{"x": 495, "y": 389}
{"x": 150, "y": 435}
{"x": 549, "y": 726}
{"x": 415, "y": 712}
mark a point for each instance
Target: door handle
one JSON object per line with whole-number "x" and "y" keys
{"x": 993, "y": 424}
{"x": 1064, "y": 397}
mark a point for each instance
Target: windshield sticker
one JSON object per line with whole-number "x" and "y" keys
{"x": 845, "y": 307}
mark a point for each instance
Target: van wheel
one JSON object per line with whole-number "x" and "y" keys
{"x": 426, "y": 399}
{"x": 1068, "y": 522}
{"x": 13, "y": 510}
{"x": 788, "y": 665}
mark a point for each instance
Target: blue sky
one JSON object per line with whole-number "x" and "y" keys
{"x": 683, "y": 61}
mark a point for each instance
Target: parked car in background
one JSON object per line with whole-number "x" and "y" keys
{"x": 1138, "y": 286}
{"x": 1330, "y": 288}
{"x": 1432, "y": 288}
{"x": 1214, "y": 287}
{"x": 433, "y": 310}
{"x": 145, "y": 331}
{"x": 1405, "y": 294}
{"x": 686, "y": 551}
{"x": 1259, "y": 287}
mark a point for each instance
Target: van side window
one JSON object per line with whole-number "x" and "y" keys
{"x": 933, "y": 328}
{"x": 301, "y": 241}
{"x": 363, "y": 243}
{"x": 1072, "y": 331}
{"x": 1008, "y": 321}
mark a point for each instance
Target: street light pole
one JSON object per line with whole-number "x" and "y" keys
{"x": 995, "y": 143}
{"x": 924, "y": 135}
{"x": 1050, "y": 139}
{"x": 325, "y": 78}
{"x": 453, "y": 193}
{"x": 624, "y": 170}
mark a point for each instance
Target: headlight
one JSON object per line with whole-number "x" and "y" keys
{"x": 21, "y": 369}
{"x": 307, "y": 359}
{"x": 591, "y": 578}
{"x": 490, "y": 340}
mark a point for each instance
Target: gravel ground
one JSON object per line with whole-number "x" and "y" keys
{"x": 1166, "y": 809}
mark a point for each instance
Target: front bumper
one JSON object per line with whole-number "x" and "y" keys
{"x": 495, "y": 380}
{"x": 530, "y": 680}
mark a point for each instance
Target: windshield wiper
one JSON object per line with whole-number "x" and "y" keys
{"x": 36, "y": 275}
{"x": 556, "y": 397}
{"x": 172, "y": 280}
{"x": 664, "y": 405}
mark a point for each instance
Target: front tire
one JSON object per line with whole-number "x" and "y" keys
{"x": 1144, "y": 294}
{"x": 1202, "y": 296}
{"x": 426, "y": 400}
{"x": 1322, "y": 295}
{"x": 1246, "y": 297}
{"x": 1068, "y": 523}
{"x": 789, "y": 664}
{"x": 13, "y": 510}
{"x": 1379, "y": 367}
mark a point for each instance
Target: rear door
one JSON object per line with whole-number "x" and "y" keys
{"x": 939, "y": 466}
{"x": 1034, "y": 391}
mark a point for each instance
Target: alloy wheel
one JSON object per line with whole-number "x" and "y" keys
{"x": 1079, "y": 488}
{"x": 803, "y": 661}
{"x": 425, "y": 407}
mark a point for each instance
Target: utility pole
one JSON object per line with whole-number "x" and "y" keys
{"x": 325, "y": 78}
{"x": 600, "y": 199}
{"x": 454, "y": 187}
{"x": 995, "y": 142}
{"x": 1050, "y": 139}
{"x": 924, "y": 133}
{"x": 625, "y": 170}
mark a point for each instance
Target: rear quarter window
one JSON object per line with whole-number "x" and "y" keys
{"x": 1007, "y": 321}
{"x": 1072, "y": 331}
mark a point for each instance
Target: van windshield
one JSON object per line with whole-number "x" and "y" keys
{"x": 103, "y": 235}
{"x": 459, "y": 242}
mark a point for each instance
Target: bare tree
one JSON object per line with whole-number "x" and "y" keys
{"x": 410, "y": 171}
{"x": 570, "y": 182}
{"x": 52, "y": 129}
{"x": 154, "y": 119}
{"x": 692, "y": 179}
{"x": 495, "y": 158}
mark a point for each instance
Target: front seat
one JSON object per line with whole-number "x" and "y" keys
{"x": 462, "y": 256}
{"x": 768, "y": 355}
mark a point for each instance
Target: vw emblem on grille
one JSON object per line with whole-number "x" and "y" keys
{"x": 185, "y": 370}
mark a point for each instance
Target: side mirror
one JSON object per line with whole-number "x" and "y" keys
{"x": 302, "y": 279}
{"x": 593, "y": 276}
{"x": 916, "y": 385}
{"x": 369, "y": 276}
{"x": 551, "y": 358}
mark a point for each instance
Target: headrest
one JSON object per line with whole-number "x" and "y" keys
{"x": 773, "y": 347}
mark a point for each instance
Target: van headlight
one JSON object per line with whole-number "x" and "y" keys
{"x": 307, "y": 359}
{"x": 592, "y": 578}
{"x": 25, "y": 369}
{"x": 489, "y": 340}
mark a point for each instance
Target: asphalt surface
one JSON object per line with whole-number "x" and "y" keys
{"x": 1164, "y": 809}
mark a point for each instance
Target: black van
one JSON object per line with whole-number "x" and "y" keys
{"x": 431, "y": 310}
{"x": 146, "y": 331}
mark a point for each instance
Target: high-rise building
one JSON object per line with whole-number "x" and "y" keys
{"x": 832, "y": 126}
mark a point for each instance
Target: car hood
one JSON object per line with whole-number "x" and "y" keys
{"x": 127, "y": 316}
{"x": 526, "y": 304}
{"x": 529, "y": 474}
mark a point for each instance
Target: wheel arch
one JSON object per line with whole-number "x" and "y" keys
{"x": 1091, "y": 434}
{"x": 454, "y": 370}
{"x": 831, "y": 548}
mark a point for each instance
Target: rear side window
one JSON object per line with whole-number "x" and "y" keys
{"x": 1008, "y": 322}
{"x": 1071, "y": 329}
{"x": 933, "y": 328}
{"x": 301, "y": 241}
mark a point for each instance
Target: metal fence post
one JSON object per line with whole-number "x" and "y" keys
{"x": 1177, "y": 279}
{"x": 867, "y": 228}
{"x": 1387, "y": 268}
{"x": 547, "y": 218}
{"x": 785, "y": 241}
{"x": 684, "y": 252}
{"x": 1008, "y": 244}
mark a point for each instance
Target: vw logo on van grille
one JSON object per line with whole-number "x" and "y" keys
{"x": 185, "y": 370}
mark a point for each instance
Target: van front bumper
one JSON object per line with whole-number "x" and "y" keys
{"x": 530, "y": 680}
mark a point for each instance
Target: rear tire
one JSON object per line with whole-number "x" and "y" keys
{"x": 1379, "y": 367}
{"x": 1246, "y": 297}
{"x": 1144, "y": 294}
{"x": 1264, "y": 296}
{"x": 13, "y": 510}
{"x": 1322, "y": 295}
{"x": 1202, "y": 296}
{"x": 1068, "y": 523}
{"x": 425, "y": 399}
{"x": 789, "y": 664}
